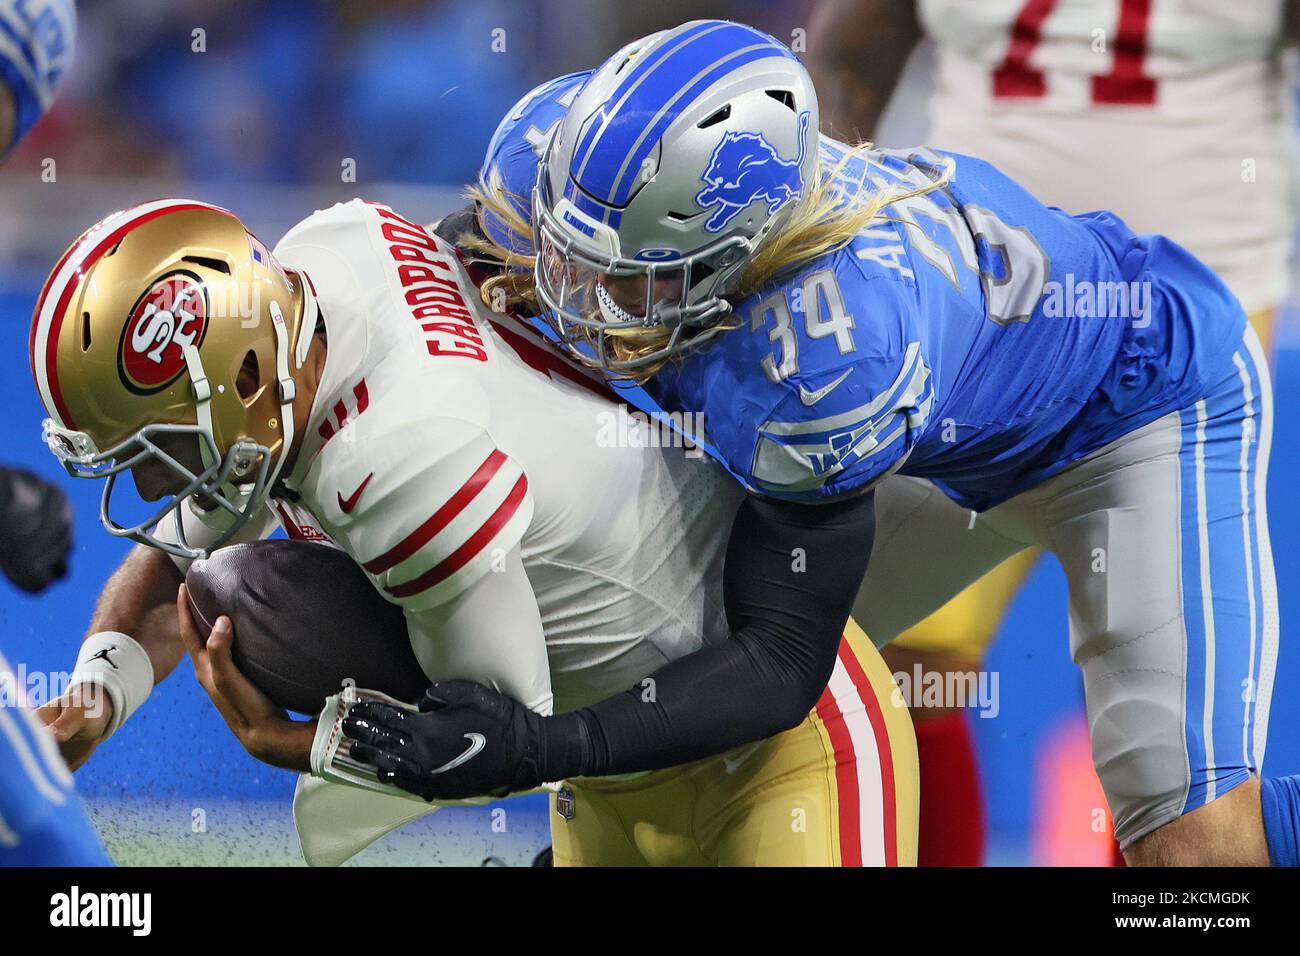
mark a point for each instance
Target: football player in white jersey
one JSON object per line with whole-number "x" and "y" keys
{"x": 352, "y": 386}
{"x": 1171, "y": 113}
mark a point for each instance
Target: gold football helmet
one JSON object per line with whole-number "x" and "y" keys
{"x": 140, "y": 334}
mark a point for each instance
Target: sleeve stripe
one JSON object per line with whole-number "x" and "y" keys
{"x": 467, "y": 551}
{"x": 422, "y": 535}
{"x": 886, "y": 403}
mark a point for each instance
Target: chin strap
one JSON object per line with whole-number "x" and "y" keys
{"x": 286, "y": 386}
{"x": 202, "y": 401}
{"x": 284, "y": 381}
{"x": 310, "y": 316}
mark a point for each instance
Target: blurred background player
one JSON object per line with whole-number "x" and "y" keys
{"x": 1171, "y": 113}
{"x": 41, "y": 822}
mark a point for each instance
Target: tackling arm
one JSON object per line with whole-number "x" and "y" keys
{"x": 790, "y": 577}
{"x": 856, "y": 53}
{"x": 791, "y": 574}
{"x": 491, "y": 635}
{"x": 491, "y": 632}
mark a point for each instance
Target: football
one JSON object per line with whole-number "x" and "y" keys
{"x": 306, "y": 619}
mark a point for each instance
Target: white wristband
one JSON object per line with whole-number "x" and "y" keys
{"x": 118, "y": 663}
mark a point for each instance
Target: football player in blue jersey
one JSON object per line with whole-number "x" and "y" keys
{"x": 918, "y": 371}
{"x": 41, "y": 822}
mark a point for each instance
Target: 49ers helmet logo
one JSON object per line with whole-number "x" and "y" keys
{"x": 173, "y": 314}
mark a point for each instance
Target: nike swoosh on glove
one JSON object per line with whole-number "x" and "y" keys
{"x": 467, "y": 741}
{"x": 35, "y": 530}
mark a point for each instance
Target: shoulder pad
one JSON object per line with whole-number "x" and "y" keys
{"x": 426, "y": 507}
{"x": 352, "y": 213}
{"x": 824, "y": 386}
{"x": 853, "y": 429}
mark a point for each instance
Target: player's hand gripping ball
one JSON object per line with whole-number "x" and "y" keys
{"x": 306, "y": 618}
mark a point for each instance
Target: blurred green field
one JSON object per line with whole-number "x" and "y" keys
{"x": 207, "y": 832}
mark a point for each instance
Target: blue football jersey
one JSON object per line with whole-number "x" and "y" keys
{"x": 970, "y": 335}
{"x": 41, "y": 821}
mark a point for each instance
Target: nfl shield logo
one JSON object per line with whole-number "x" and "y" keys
{"x": 565, "y": 803}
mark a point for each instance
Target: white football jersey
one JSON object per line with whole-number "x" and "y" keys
{"x": 441, "y": 438}
{"x": 1172, "y": 113}
{"x": 1111, "y": 39}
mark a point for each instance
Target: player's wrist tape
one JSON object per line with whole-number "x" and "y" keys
{"x": 117, "y": 663}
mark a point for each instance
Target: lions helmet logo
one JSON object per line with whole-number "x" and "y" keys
{"x": 171, "y": 316}
{"x": 745, "y": 168}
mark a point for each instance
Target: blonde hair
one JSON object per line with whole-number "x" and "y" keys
{"x": 835, "y": 210}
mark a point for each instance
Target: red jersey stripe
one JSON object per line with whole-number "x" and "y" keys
{"x": 457, "y": 503}
{"x": 462, "y": 555}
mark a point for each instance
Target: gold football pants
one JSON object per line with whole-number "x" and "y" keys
{"x": 840, "y": 789}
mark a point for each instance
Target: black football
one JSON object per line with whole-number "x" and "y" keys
{"x": 306, "y": 619}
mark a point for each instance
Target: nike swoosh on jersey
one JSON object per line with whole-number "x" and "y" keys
{"x": 812, "y": 398}
{"x": 347, "y": 504}
{"x": 476, "y": 743}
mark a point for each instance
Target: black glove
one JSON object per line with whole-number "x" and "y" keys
{"x": 35, "y": 530}
{"x": 467, "y": 741}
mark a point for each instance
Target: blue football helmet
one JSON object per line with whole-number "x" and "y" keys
{"x": 678, "y": 158}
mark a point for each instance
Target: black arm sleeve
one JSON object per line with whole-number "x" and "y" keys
{"x": 790, "y": 577}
